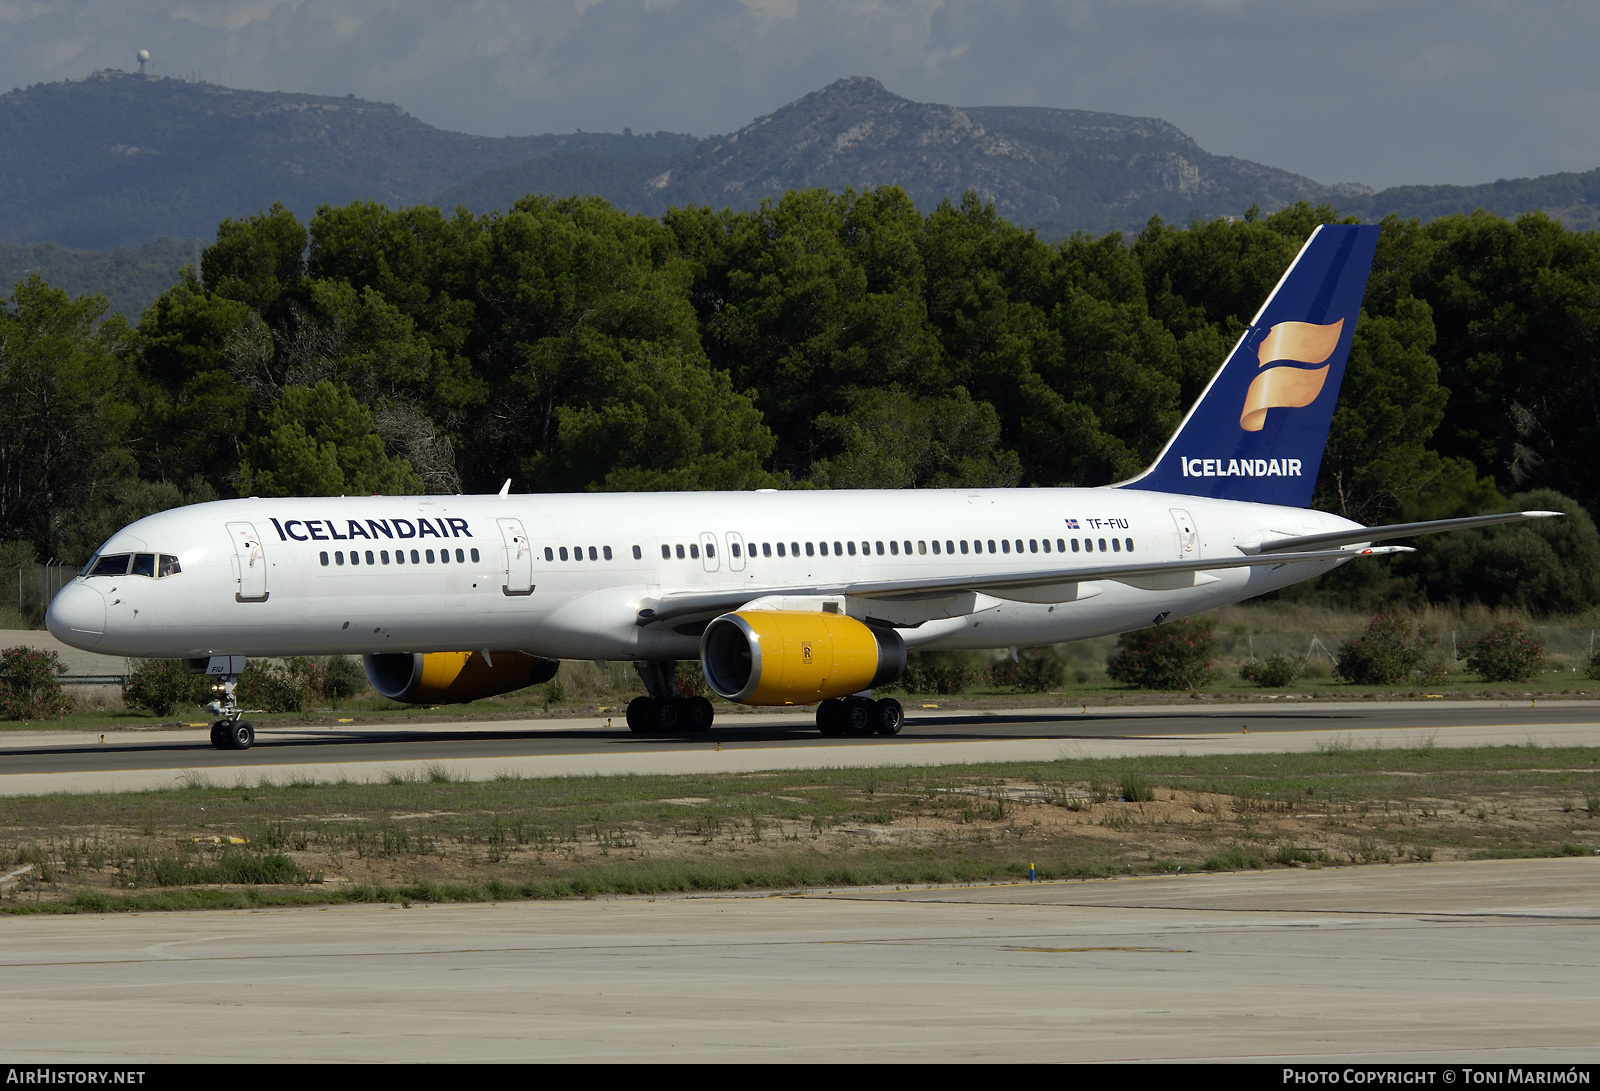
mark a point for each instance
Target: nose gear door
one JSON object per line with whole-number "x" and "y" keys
{"x": 249, "y": 563}
{"x": 1188, "y": 539}
{"x": 519, "y": 558}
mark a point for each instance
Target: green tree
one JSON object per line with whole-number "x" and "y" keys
{"x": 257, "y": 261}
{"x": 320, "y": 441}
{"x": 889, "y": 439}
{"x": 64, "y": 399}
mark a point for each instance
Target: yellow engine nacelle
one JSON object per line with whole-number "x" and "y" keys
{"x": 786, "y": 657}
{"x": 448, "y": 678}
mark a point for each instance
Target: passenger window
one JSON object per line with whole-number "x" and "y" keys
{"x": 549, "y": 554}
{"x": 666, "y": 552}
{"x": 880, "y": 549}
{"x": 399, "y": 557}
{"x": 922, "y": 548}
{"x": 384, "y": 556}
{"x": 563, "y": 553}
{"x": 355, "y": 557}
{"x": 1129, "y": 544}
{"x": 894, "y": 549}
{"x": 694, "y": 551}
{"x": 416, "y": 558}
{"x": 711, "y": 550}
{"x": 936, "y": 546}
{"x": 115, "y": 565}
{"x": 810, "y": 550}
{"x": 680, "y": 551}
{"x": 735, "y": 548}
{"x": 461, "y": 558}
{"x": 1005, "y": 545}
{"x": 1033, "y": 545}
{"x": 474, "y": 556}
{"x": 1116, "y": 545}
{"x": 908, "y": 547}
{"x": 766, "y": 548}
{"x": 1074, "y": 545}
{"x": 594, "y": 554}
{"x": 1061, "y": 545}
{"x": 1088, "y": 545}
{"x": 324, "y": 558}
{"x": 852, "y": 548}
{"x": 794, "y": 550}
{"x": 866, "y": 549}
{"x": 338, "y": 557}
{"x": 1047, "y": 545}
{"x": 144, "y": 564}
{"x": 638, "y": 554}
{"x": 949, "y": 546}
{"x": 780, "y": 549}
{"x": 168, "y": 566}
{"x": 963, "y": 545}
{"x": 1102, "y": 545}
{"x": 837, "y": 552}
{"x": 430, "y": 556}
{"x": 606, "y": 552}
{"x": 991, "y": 545}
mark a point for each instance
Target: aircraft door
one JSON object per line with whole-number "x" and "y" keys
{"x": 708, "y": 550}
{"x": 735, "y": 552}
{"x": 1188, "y": 538}
{"x": 519, "y": 558}
{"x": 249, "y": 563}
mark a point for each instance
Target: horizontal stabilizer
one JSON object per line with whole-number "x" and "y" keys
{"x": 1356, "y": 535}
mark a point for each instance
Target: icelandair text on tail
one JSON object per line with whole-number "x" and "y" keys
{"x": 1241, "y": 467}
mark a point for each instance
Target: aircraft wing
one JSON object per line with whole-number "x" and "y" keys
{"x": 1396, "y": 530}
{"x": 1034, "y": 586}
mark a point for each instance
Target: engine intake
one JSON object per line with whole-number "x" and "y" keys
{"x": 786, "y": 657}
{"x": 448, "y": 678}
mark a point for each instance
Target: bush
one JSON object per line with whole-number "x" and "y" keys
{"x": 1392, "y": 652}
{"x": 927, "y": 673}
{"x": 1176, "y": 655}
{"x": 30, "y": 686}
{"x": 342, "y": 678}
{"x": 162, "y": 685}
{"x": 276, "y": 687}
{"x": 1506, "y": 653}
{"x": 1278, "y": 671}
{"x": 1036, "y": 673}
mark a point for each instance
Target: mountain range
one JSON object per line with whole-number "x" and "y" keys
{"x": 119, "y": 160}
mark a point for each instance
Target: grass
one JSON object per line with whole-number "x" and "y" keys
{"x": 432, "y": 839}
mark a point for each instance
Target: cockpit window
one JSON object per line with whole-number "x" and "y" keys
{"x": 168, "y": 566}
{"x": 114, "y": 565}
{"x": 144, "y": 564}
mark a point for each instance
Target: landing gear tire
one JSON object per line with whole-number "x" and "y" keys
{"x": 239, "y": 735}
{"x": 858, "y": 716}
{"x": 641, "y": 715}
{"x": 698, "y": 715}
{"x": 888, "y": 717}
{"x": 669, "y": 716}
{"x": 830, "y": 717}
{"x": 219, "y": 735}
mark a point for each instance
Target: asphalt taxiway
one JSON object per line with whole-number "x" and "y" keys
{"x": 45, "y": 761}
{"x": 1486, "y": 963}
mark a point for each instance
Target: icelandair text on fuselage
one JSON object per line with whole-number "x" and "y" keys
{"x": 1241, "y": 467}
{"x": 327, "y": 530}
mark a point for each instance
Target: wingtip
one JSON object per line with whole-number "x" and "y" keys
{"x": 1540, "y": 514}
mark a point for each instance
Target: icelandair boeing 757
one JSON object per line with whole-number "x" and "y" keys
{"x": 785, "y": 598}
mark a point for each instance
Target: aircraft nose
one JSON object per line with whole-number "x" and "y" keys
{"x": 77, "y": 616}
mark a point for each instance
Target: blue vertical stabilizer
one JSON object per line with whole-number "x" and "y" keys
{"x": 1258, "y": 431}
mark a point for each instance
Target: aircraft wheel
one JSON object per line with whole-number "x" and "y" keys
{"x": 669, "y": 715}
{"x": 219, "y": 736}
{"x": 858, "y": 716}
{"x": 888, "y": 716}
{"x": 830, "y": 717}
{"x": 641, "y": 715}
{"x": 240, "y": 735}
{"x": 699, "y": 714}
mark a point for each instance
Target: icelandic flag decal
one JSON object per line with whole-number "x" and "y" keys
{"x": 1072, "y": 524}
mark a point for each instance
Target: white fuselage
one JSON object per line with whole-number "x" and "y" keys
{"x": 253, "y": 578}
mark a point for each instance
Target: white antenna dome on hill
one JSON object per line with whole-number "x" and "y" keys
{"x": 142, "y": 56}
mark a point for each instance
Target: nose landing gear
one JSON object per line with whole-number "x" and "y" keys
{"x": 230, "y": 732}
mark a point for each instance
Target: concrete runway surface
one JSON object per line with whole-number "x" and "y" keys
{"x": 32, "y": 762}
{"x": 1490, "y": 962}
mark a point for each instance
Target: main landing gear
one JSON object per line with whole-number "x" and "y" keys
{"x": 860, "y": 716}
{"x": 663, "y": 712}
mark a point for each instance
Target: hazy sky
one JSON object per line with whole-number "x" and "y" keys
{"x": 1378, "y": 91}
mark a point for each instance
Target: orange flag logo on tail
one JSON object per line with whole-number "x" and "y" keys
{"x": 1289, "y": 387}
